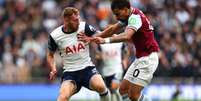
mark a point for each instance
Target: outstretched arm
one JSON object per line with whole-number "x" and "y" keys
{"x": 52, "y": 65}
{"x": 125, "y": 36}
{"x": 52, "y": 47}
{"x": 109, "y": 31}
{"x": 134, "y": 23}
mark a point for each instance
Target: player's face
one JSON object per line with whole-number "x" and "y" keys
{"x": 73, "y": 22}
{"x": 121, "y": 14}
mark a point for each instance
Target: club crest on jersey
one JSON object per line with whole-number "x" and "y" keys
{"x": 74, "y": 48}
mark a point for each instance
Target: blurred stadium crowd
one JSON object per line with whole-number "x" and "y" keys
{"x": 25, "y": 25}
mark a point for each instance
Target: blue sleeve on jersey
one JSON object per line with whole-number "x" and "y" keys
{"x": 123, "y": 46}
{"x": 89, "y": 30}
{"x": 99, "y": 48}
{"x": 52, "y": 46}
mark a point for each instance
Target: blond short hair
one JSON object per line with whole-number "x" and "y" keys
{"x": 68, "y": 11}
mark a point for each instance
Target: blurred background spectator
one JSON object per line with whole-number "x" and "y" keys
{"x": 25, "y": 25}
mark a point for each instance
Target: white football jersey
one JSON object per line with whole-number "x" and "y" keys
{"x": 112, "y": 58}
{"x": 75, "y": 54}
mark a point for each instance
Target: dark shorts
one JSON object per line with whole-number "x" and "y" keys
{"x": 81, "y": 77}
{"x": 108, "y": 80}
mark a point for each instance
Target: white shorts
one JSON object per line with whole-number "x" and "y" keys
{"x": 119, "y": 76}
{"x": 142, "y": 69}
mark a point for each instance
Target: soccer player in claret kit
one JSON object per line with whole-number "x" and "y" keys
{"x": 78, "y": 68}
{"x": 140, "y": 32}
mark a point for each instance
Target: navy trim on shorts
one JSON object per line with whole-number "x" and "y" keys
{"x": 80, "y": 77}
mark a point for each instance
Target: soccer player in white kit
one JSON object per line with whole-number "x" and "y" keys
{"x": 114, "y": 57}
{"x": 78, "y": 68}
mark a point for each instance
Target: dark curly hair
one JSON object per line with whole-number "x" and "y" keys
{"x": 119, "y": 4}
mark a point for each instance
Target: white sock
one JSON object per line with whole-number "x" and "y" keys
{"x": 144, "y": 98}
{"x": 106, "y": 96}
{"x": 116, "y": 96}
{"x": 125, "y": 97}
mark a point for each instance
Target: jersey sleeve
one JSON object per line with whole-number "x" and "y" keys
{"x": 52, "y": 46}
{"x": 89, "y": 30}
{"x": 99, "y": 48}
{"x": 134, "y": 22}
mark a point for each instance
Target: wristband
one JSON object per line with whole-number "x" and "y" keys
{"x": 107, "y": 40}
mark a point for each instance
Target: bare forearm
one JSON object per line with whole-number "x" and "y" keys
{"x": 119, "y": 38}
{"x": 51, "y": 62}
{"x": 108, "y": 31}
{"x": 125, "y": 36}
{"x": 52, "y": 65}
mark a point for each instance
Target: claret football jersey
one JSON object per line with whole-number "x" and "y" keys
{"x": 143, "y": 39}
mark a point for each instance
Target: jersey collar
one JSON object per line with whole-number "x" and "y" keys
{"x": 62, "y": 28}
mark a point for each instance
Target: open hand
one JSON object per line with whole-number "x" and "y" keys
{"x": 82, "y": 37}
